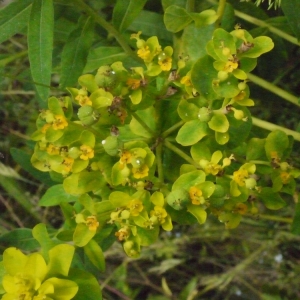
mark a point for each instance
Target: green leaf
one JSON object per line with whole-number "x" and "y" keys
{"x": 60, "y": 259}
{"x": 13, "y": 18}
{"x": 255, "y": 149}
{"x": 82, "y": 235}
{"x": 291, "y": 10}
{"x": 187, "y": 180}
{"x": 125, "y": 12}
{"x": 262, "y": 44}
{"x": 198, "y": 212}
{"x": 103, "y": 56}
{"x": 276, "y": 142}
{"x": 202, "y": 76}
{"x": 271, "y": 199}
{"x": 219, "y": 123}
{"x": 94, "y": 252}
{"x": 231, "y": 220}
{"x": 40, "y": 44}
{"x": 227, "y": 88}
{"x": 75, "y": 52}
{"x": 296, "y": 221}
{"x": 178, "y": 199}
{"x": 20, "y": 238}
{"x": 176, "y": 18}
{"x": 55, "y": 195}
{"x": 191, "y": 132}
{"x": 89, "y": 288}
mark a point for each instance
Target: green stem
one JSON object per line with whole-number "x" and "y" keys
{"x": 220, "y": 12}
{"x": 160, "y": 168}
{"x": 180, "y": 153}
{"x": 143, "y": 124}
{"x": 270, "y": 126}
{"x": 274, "y": 89}
{"x": 261, "y": 23}
{"x": 276, "y": 218}
{"x": 190, "y": 5}
{"x": 171, "y": 129}
{"x": 108, "y": 27}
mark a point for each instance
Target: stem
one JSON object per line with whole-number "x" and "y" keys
{"x": 261, "y": 23}
{"x": 171, "y": 129}
{"x": 160, "y": 168}
{"x": 143, "y": 124}
{"x": 180, "y": 153}
{"x": 190, "y": 5}
{"x": 270, "y": 126}
{"x": 276, "y": 218}
{"x": 220, "y": 12}
{"x": 108, "y": 27}
{"x": 274, "y": 89}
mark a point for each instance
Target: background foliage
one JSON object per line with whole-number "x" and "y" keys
{"x": 258, "y": 260}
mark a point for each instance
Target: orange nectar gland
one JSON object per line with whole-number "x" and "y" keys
{"x": 140, "y": 172}
{"x": 239, "y": 177}
{"x": 165, "y": 64}
{"x": 87, "y": 152}
{"x": 241, "y": 208}
{"x": 92, "y": 223}
{"x": 133, "y": 83}
{"x": 122, "y": 234}
{"x": 68, "y": 163}
{"x": 59, "y": 122}
{"x": 135, "y": 206}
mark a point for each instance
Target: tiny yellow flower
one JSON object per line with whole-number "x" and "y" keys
{"x": 240, "y": 176}
{"x": 92, "y": 223}
{"x": 133, "y": 83}
{"x": 213, "y": 169}
{"x": 45, "y": 128}
{"x": 140, "y": 172}
{"x": 285, "y": 177}
{"x": 196, "y": 196}
{"x": 83, "y": 100}
{"x": 53, "y": 150}
{"x": 135, "y": 206}
{"x": 87, "y": 152}
{"x": 59, "y": 122}
{"x": 230, "y": 66}
{"x": 144, "y": 53}
{"x": 68, "y": 163}
{"x": 122, "y": 234}
{"x": 241, "y": 208}
{"x": 186, "y": 80}
{"x": 125, "y": 157}
{"x": 136, "y": 35}
{"x": 165, "y": 64}
{"x": 160, "y": 213}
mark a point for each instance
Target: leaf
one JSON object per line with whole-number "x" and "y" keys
{"x": 75, "y": 52}
{"x": 191, "y": 132}
{"x": 94, "y": 252}
{"x": 219, "y": 123}
{"x": 55, "y": 195}
{"x": 187, "y": 180}
{"x": 296, "y": 221}
{"x": 125, "y": 12}
{"x": 176, "y": 18}
{"x": 89, "y": 288}
{"x": 23, "y": 159}
{"x": 13, "y": 18}
{"x": 20, "y": 238}
{"x": 103, "y": 56}
{"x": 262, "y": 44}
{"x": 198, "y": 212}
{"x": 40, "y": 44}
{"x": 276, "y": 143}
{"x": 291, "y": 10}
{"x": 271, "y": 199}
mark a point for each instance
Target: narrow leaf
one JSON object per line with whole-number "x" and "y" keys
{"x": 291, "y": 11}
{"x": 124, "y": 13}
{"x": 75, "y": 52}
{"x": 40, "y": 44}
{"x": 13, "y": 18}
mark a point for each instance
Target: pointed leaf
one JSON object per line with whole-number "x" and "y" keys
{"x": 40, "y": 44}
{"x": 94, "y": 252}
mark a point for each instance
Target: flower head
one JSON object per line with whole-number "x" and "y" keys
{"x": 159, "y": 213}
{"x": 67, "y": 164}
{"x": 87, "y": 152}
{"x": 59, "y": 122}
{"x": 240, "y": 176}
{"x": 165, "y": 64}
{"x": 196, "y": 196}
{"x": 92, "y": 223}
{"x": 140, "y": 172}
{"x": 135, "y": 207}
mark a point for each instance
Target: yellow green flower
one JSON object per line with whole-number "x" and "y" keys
{"x": 165, "y": 64}
{"x": 230, "y": 66}
{"x": 67, "y": 164}
{"x": 26, "y": 277}
{"x": 135, "y": 206}
{"x": 159, "y": 213}
{"x": 123, "y": 233}
{"x": 133, "y": 83}
{"x": 59, "y": 122}
{"x": 140, "y": 172}
{"x": 240, "y": 176}
{"x": 144, "y": 53}
{"x": 92, "y": 223}
{"x": 196, "y": 196}
{"x": 53, "y": 150}
{"x": 186, "y": 80}
{"x": 87, "y": 152}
